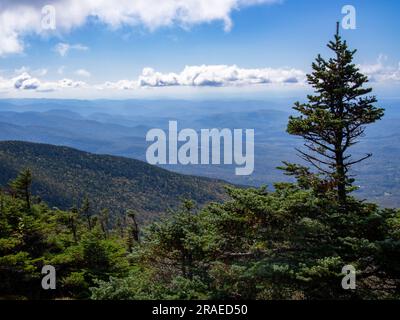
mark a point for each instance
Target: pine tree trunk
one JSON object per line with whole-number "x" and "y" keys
{"x": 341, "y": 179}
{"x": 89, "y": 222}
{"x": 27, "y": 198}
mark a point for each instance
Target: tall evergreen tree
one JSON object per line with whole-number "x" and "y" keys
{"x": 335, "y": 116}
{"x": 21, "y": 187}
{"x": 86, "y": 214}
{"x": 73, "y": 223}
{"x": 133, "y": 228}
{"x": 104, "y": 220}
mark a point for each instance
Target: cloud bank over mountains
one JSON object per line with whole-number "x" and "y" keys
{"x": 191, "y": 76}
{"x": 219, "y": 76}
{"x": 25, "y": 81}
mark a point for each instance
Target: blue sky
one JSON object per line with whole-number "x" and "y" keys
{"x": 273, "y": 42}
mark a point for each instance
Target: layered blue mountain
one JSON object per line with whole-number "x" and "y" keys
{"x": 119, "y": 128}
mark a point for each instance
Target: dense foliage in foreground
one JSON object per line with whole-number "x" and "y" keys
{"x": 288, "y": 244}
{"x": 32, "y": 235}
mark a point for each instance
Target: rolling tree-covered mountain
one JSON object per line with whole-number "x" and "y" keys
{"x": 63, "y": 177}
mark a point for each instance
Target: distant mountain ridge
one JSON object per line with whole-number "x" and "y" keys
{"x": 64, "y": 176}
{"x": 119, "y": 128}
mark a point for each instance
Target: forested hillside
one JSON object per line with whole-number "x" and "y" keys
{"x": 63, "y": 177}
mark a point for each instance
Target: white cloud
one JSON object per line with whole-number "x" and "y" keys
{"x": 381, "y": 71}
{"x": 220, "y": 76}
{"x": 64, "y": 48}
{"x": 68, "y": 83}
{"x": 61, "y": 85}
{"x": 83, "y": 73}
{"x": 118, "y": 85}
{"x": 191, "y": 76}
{"x": 25, "y": 81}
{"x": 18, "y": 18}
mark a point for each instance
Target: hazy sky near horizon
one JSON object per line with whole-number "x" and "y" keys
{"x": 183, "y": 49}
